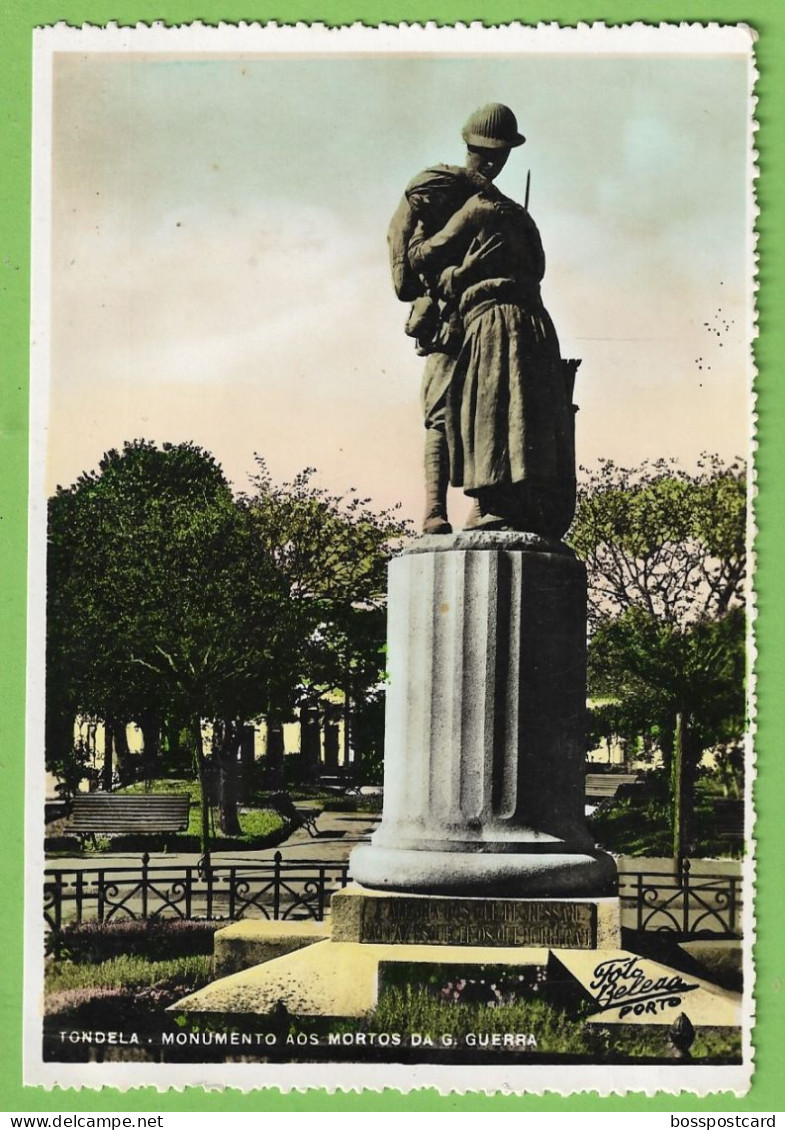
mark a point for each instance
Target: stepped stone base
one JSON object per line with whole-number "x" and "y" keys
{"x": 336, "y": 978}
{"x": 387, "y": 918}
{"x": 629, "y": 989}
{"x": 251, "y": 942}
{"x": 342, "y": 979}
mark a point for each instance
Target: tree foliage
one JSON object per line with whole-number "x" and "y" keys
{"x": 160, "y": 594}
{"x": 332, "y": 551}
{"x": 660, "y": 540}
{"x": 665, "y": 553}
{"x": 657, "y": 669}
{"x": 168, "y": 595}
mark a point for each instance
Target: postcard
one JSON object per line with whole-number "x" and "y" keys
{"x": 392, "y": 439}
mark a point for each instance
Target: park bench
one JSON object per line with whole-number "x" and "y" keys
{"x": 335, "y": 783}
{"x": 306, "y": 818}
{"x": 606, "y": 786}
{"x": 112, "y": 814}
{"x": 729, "y": 820}
{"x": 56, "y": 808}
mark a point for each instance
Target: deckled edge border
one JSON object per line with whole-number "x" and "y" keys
{"x": 684, "y": 37}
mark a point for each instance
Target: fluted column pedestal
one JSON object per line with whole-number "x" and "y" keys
{"x": 485, "y": 726}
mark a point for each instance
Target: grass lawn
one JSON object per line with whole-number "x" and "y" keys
{"x": 257, "y": 823}
{"x": 164, "y": 785}
{"x": 129, "y": 971}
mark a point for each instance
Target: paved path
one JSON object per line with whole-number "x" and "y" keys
{"x": 663, "y": 865}
{"x": 338, "y": 833}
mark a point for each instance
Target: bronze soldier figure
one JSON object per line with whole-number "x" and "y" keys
{"x": 509, "y": 419}
{"x": 429, "y": 201}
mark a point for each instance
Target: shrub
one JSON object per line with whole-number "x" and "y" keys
{"x": 416, "y": 1010}
{"x": 557, "y": 1031}
{"x": 363, "y": 803}
{"x": 632, "y": 828}
{"x": 128, "y": 972}
{"x": 340, "y": 804}
{"x": 642, "y": 826}
{"x": 158, "y": 938}
{"x": 122, "y": 994}
{"x": 371, "y": 803}
{"x": 112, "y": 1008}
{"x": 126, "y": 993}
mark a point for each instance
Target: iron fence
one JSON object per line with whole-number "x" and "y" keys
{"x": 279, "y": 889}
{"x": 686, "y": 904}
{"x": 683, "y": 903}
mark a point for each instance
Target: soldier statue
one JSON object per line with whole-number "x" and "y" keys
{"x": 496, "y": 394}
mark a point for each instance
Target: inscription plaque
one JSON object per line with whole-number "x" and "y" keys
{"x": 478, "y": 922}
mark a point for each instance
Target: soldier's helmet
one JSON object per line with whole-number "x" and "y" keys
{"x": 492, "y": 127}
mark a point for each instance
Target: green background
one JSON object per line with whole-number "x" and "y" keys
{"x": 17, "y": 19}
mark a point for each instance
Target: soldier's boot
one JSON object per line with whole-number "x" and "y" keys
{"x": 482, "y": 518}
{"x": 437, "y": 476}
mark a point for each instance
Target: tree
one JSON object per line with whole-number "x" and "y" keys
{"x": 661, "y": 540}
{"x": 666, "y": 559}
{"x": 332, "y": 551}
{"x": 161, "y": 596}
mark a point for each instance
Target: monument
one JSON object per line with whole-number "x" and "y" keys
{"x": 483, "y": 854}
{"x": 486, "y": 704}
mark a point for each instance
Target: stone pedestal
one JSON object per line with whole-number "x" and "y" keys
{"x": 388, "y": 918}
{"x": 249, "y": 942}
{"x": 486, "y": 723}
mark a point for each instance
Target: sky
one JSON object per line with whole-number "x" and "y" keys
{"x": 219, "y": 268}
